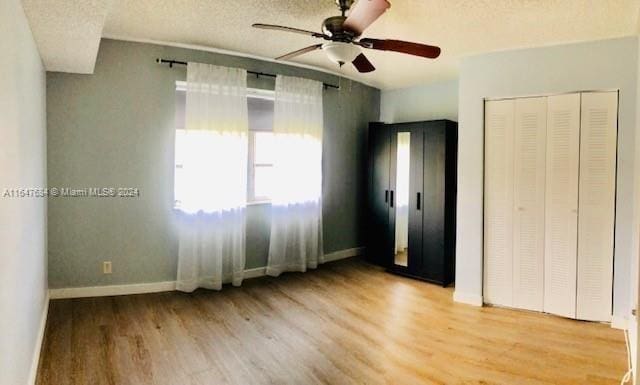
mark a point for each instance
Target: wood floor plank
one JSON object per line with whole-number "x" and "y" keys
{"x": 344, "y": 323}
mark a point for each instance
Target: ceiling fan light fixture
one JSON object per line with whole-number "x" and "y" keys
{"x": 341, "y": 53}
{"x": 342, "y": 36}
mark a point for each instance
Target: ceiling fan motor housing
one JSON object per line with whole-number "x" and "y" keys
{"x": 333, "y": 27}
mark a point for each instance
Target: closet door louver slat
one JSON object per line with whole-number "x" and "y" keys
{"x": 529, "y": 193}
{"x": 598, "y": 135}
{"x": 498, "y": 203}
{"x": 561, "y": 204}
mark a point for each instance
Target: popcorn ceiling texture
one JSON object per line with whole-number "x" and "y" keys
{"x": 68, "y": 31}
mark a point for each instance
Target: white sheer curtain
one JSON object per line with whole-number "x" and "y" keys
{"x": 296, "y": 225}
{"x": 211, "y": 182}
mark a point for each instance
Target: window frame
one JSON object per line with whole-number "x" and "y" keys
{"x": 252, "y": 199}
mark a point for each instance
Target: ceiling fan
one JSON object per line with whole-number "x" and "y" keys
{"x": 342, "y": 34}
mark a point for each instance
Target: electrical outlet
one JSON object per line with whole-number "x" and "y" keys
{"x": 106, "y": 267}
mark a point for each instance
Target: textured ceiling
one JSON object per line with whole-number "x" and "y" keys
{"x": 460, "y": 27}
{"x": 67, "y": 32}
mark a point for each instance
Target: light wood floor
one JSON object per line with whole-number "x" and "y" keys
{"x": 345, "y": 323}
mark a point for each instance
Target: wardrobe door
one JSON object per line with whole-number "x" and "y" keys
{"x": 378, "y": 245}
{"x": 416, "y": 200}
{"x": 596, "y": 205}
{"x": 561, "y": 204}
{"x": 498, "y": 203}
{"x": 433, "y": 206}
{"x": 451, "y": 199}
{"x": 392, "y": 230}
{"x": 406, "y": 183}
{"x": 529, "y": 194}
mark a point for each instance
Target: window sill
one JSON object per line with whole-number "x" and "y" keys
{"x": 258, "y": 203}
{"x": 254, "y": 203}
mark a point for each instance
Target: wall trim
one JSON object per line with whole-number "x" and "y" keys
{"x": 619, "y": 322}
{"x": 467, "y": 298}
{"x": 35, "y": 360}
{"x": 255, "y": 273}
{"x": 157, "y": 287}
{"x": 342, "y": 254}
{"x": 111, "y": 290}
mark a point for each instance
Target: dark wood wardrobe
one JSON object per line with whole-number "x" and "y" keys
{"x": 412, "y": 198}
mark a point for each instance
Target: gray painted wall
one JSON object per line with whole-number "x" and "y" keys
{"x": 600, "y": 65}
{"x": 116, "y": 128}
{"x": 23, "y": 221}
{"x": 427, "y": 102}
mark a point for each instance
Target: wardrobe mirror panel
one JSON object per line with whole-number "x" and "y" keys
{"x": 402, "y": 198}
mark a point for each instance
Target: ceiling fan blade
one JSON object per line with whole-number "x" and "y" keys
{"x": 299, "y": 52}
{"x": 289, "y": 29}
{"x": 364, "y": 13}
{"x": 363, "y": 64}
{"x": 417, "y": 49}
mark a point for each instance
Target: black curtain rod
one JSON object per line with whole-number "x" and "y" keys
{"x": 258, "y": 74}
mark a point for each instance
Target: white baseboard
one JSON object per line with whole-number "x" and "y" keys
{"x": 467, "y": 298}
{"x": 342, "y": 254}
{"x": 110, "y": 290}
{"x": 156, "y": 287}
{"x": 255, "y": 273}
{"x": 619, "y": 322}
{"x": 35, "y": 360}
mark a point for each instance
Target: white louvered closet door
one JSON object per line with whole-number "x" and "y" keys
{"x": 561, "y": 204}
{"x": 598, "y": 135}
{"x": 529, "y": 193}
{"x": 498, "y": 203}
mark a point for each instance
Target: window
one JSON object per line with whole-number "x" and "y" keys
{"x": 261, "y": 146}
{"x": 260, "y": 105}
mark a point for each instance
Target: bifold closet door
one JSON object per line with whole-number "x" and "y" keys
{"x": 561, "y": 204}
{"x": 598, "y": 136}
{"x": 528, "y": 198}
{"x": 498, "y": 203}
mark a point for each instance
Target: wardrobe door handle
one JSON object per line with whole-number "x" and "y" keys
{"x": 391, "y": 199}
{"x": 418, "y": 202}
{"x": 386, "y": 196}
